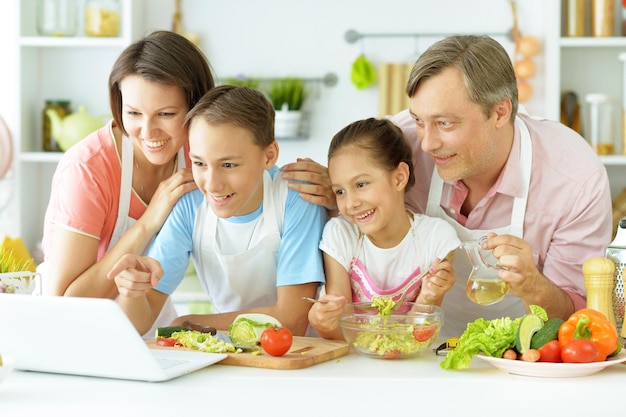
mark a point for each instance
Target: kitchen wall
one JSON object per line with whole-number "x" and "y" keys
{"x": 273, "y": 38}
{"x": 306, "y": 38}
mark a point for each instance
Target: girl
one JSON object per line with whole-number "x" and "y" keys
{"x": 376, "y": 246}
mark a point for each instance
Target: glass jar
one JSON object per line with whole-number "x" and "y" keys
{"x": 602, "y": 17}
{"x": 102, "y": 18}
{"x": 62, "y": 107}
{"x": 575, "y": 22}
{"x": 600, "y": 122}
{"x": 57, "y": 17}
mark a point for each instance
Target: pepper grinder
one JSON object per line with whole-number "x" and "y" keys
{"x": 599, "y": 274}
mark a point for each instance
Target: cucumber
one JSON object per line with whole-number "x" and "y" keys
{"x": 548, "y": 332}
{"x": 167, "y": 331}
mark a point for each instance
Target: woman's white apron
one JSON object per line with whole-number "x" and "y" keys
{"x": 124, "y": 222}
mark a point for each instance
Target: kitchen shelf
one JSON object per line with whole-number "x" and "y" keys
{"x": 51, "y": 157}
{"x": 586, "y": 65}
{"x": 72, "y": 42}
{"x": 586, "y": 41}
{"x": 75, "y": 68}
{"x": 613, "y": 160}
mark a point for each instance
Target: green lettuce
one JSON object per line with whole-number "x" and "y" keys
{"x": 491, "y": 337}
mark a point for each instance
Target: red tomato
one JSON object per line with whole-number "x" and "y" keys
{"x": 550, "y": 352}
{"x": 276, "y": 341}
{"x": 579, "y": 351}
{"x": 167, "y": 341}
{"x": 392, "y": 354}
{"x": 422, "y": 334}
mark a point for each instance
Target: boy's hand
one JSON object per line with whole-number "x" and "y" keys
{"x": 135, "y": 275}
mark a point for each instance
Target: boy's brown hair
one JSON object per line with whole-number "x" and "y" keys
{"x": 238, "y": 106}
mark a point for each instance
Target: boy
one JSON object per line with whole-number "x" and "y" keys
{"x": 253, "y": 241}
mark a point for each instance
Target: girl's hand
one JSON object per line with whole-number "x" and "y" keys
{"x": 437, "y": 283}
{"x": 166, "y": 195}
{"x": 324, "y": 316}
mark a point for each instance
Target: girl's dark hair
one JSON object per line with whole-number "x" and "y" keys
{"x": 164, "y": 57}
{"x": 383, "y": 140}
{"x": 238, "y": 106}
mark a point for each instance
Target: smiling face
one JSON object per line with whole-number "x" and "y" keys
{"x": 463, "y": 141}
{"x": 153, "y": 115}
{"x": 370, "y": 196}
{"x": 228, "y": 166}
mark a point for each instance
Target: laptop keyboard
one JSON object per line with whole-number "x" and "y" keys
{"x": 168, "y": 362}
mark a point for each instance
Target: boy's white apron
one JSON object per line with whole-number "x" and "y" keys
{"x": 246, "y": 279}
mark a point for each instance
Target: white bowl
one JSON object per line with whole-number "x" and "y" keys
{"x": 7, "y": 365}
{"x": 23, "y": 282}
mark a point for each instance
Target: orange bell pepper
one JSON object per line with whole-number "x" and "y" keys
{"x": 590, "y": 324}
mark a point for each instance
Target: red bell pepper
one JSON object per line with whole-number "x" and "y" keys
{"x": 590, "y": 324}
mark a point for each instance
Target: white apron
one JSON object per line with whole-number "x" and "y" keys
{"x": 458, "y": 309}
{"x": 124, "y": 222}
{"x": 247, "y": 279}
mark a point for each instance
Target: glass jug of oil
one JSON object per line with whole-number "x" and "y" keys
{"x": 484, "y": 286}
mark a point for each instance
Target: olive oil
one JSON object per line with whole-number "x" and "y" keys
{"x": 486, "y": 291}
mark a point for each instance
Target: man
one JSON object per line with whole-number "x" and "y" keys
{"x": 535, "y": 187}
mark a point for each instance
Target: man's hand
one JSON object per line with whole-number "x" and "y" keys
{"x": 311, "y": 180}
{"x": 525, "y": 280}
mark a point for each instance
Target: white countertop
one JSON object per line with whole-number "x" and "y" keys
{"x": 345, "y": 386}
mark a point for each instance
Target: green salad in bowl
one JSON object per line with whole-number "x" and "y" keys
{"x": 408, "y": 331}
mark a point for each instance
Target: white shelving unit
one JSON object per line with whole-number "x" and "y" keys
{"x": 74, "y": 68}
{"x": 587, "y": 65}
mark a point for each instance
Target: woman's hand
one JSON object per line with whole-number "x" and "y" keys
{"x": 313, "y": 183}
{"x": 166, "y": 195}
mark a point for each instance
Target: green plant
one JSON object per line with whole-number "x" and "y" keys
{"x": 288, "y": 90}
{"x": 242, "y": 81}
{"x": 8, "y": 263}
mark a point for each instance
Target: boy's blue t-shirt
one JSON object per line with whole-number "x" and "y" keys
{"x": 299, "y": 257}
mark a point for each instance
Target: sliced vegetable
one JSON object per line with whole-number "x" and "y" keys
{"x": 167, "y": 331}
{"x": 580, "y": 351}
{"x": 204, "y": 342}
{"x": 592, "y": 325}
{"x": 529, "y": 325}
{"x": 246, "y": 329}
{"x": 167, "y": 341}
{"x": 423, "y": 333}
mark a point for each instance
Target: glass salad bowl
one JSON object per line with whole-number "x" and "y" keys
{"x": 406, "y": 333}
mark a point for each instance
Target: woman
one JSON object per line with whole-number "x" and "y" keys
{"x": 112, "y": 191}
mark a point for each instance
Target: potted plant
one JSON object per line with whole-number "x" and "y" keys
{"x": 16, "y": 276}
{"x": 287, "y": 96}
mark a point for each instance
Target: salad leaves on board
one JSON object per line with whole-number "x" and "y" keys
{"x": 491, "y": 337}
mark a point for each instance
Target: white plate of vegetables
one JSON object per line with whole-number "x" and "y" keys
{"x": 549, "y": 369}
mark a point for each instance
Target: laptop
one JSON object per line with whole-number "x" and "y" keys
{"x": 86, "y": 336}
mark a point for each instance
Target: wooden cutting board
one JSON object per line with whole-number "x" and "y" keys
{"x": 308, "y": 351}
